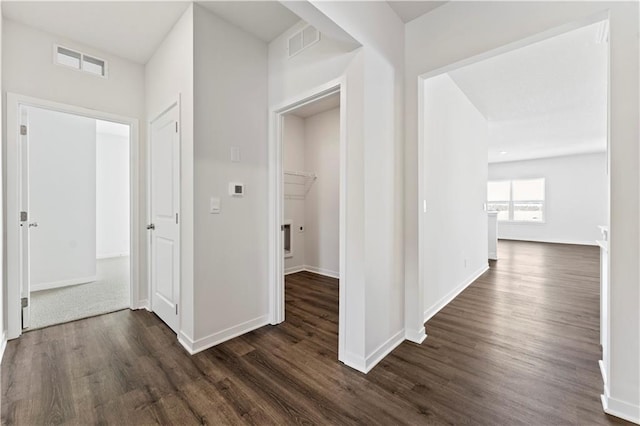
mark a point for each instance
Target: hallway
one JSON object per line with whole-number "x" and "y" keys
{"x": 519, "y": 346}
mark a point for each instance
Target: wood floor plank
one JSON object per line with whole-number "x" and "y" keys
{"x": 518, "y": 346}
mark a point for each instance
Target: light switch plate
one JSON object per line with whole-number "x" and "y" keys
{"x": 214, "y": 206}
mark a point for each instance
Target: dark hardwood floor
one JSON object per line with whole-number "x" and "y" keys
{"x": 519, "y": 346}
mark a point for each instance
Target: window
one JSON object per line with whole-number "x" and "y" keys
{"x": 519, "y": 200}
{"x": 80, "y": 61}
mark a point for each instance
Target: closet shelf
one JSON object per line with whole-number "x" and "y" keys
{"x": 297, "y": 183}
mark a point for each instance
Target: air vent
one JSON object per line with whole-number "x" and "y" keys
{"x": 79, "y": 61}
{"x": 301, "y": 40}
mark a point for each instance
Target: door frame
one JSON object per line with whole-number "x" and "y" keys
{"x": 276, "y": 203}
{"x": 149, "y": 303}
{"x": 421, "y": 199}
{"x": 14, "y": 285}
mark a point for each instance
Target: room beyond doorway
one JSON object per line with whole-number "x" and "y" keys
{"x": 73, "y": 187}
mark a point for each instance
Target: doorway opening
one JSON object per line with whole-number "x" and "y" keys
{"x": 308, "y": 198}
{"x": 70, "y": 188}
{"x": 513, "y": 168}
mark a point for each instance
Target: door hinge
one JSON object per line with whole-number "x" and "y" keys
{"x": 23, "y": 130}
{"x": 24, "y": 302}
{"x": 282, "y": 227}
{"x": 176, "y": 127}
{"x": 151, "y": 226}
{"x": 176, "y": 309}
{"x": 176, "y": 218}
{"x": 23, "y": 216}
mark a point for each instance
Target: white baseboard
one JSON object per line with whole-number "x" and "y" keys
{"x": 364, "y": 365}
{"x": 142, "y": 304}
{"x": 199, "y": 345}
{"x": 111, "y": 255}
{"x": 3, "y": 344}
{"x": 604, "y": 375}
{"x": 313, "y": 269}
{"x": 294, "y": 270}
{"x": 64, "y": 283}
{"x": 553, "y": 241}
{"x": 416, "y": 336}
{"x": 384, "y": 350}
{"x": 436, "y": 307}
{"x": 622, "y": 409}
{"x": 358, "y": 363}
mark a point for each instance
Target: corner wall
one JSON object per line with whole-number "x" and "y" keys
{"x": 230, "y": 248}
{"x": 455, "y": 174}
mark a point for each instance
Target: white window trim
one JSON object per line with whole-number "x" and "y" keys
{"x": 510, "y": 203}
{"x": 82, "y": 55}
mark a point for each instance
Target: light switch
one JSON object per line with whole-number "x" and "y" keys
{"x": 235, "y": 154}
{"x": 214, "y": 206}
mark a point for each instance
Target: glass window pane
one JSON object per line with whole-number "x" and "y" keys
{"x": 68, "y": 57}
{"x": 528, "y": 212}
{"x": 501, "y": 207}
{"x": 528, "y": 190}
{"x": 498, "y": 191}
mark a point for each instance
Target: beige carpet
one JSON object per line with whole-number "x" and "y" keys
{"x": 109, "y": 293}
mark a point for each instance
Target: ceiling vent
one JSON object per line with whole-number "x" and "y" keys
{"x": 301, "y": 40}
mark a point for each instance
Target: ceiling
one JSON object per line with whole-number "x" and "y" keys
{"x": 113, "y": 27}
{"x": 410, "y": 10}
{"x": 316, "y": 107}
{"x": 264, "y": 19}
{"x": 545, "y": 99}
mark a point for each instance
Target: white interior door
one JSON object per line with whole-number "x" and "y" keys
{"x": 164, "y": 208}
{"x": 58, "y": 195}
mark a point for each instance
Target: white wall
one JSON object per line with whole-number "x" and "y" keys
{"x": 312, "y": 145}
{"x": 28, "y": 69}
{"x": 575, "y": 198}
{"x": 322, "y": 204}
{"x": 455, "y": 190}
{"x": 112, "y": 194}
{"x": 169, "y": 76}
{"x": 374, "y": 222}
{"x": 62, "y": 198}
{"x": 3, "y": 242}
{"x": 293, "y": 142}
{"x": 231, "y": 251}
{"x": 460, "y": 30}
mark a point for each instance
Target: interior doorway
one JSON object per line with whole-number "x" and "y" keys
{"x": 309, "y": 195}
{"x": 75, "y": 233}
{"x": 71, "y": 204}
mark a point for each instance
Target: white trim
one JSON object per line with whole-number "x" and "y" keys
{"x": 63, "y": 283}
{"x": 554, "y": 241}
{"x": 603, "y": 371}
{"x": 14, "y": 100}
{"x": 276, "y": 201}
{"x": 445, "y": 300}
{"x": 111, "y": 255}
{"x": 313, "y": 269}
{"x": 199, "y": 345}
{"x": 356, "y": 362}
{"x": 322, "y": 271}
{"x": 294, "y": 269}
{"x": 3, "y": 344}
{"x": 622, "y": 409}
{"x": 142, "y": 304}
{"x": 416, "y": 336}
{"x": 383, "y": 350}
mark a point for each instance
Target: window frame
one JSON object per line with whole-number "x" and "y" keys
{"x": 510, "y": 202}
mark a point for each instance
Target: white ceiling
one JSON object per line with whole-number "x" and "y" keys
{"x": 321, "y": 105}
{"x": 410, "y": 10}
{"x": 264, "y": 19}
{"x": 131, "y": 30}
{"x": 543, "y": 100}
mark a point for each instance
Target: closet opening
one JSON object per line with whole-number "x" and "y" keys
{"x": 309, "y": 214}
